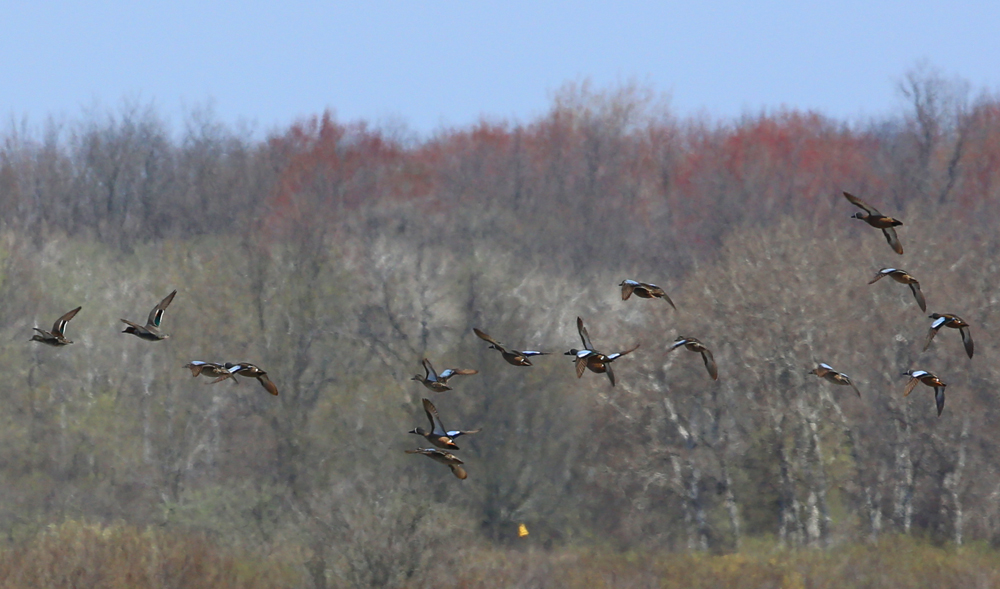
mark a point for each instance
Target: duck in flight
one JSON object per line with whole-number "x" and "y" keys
{"x": 643, "y": 290}
{"x": 56, "y": 337}
{"x": 438, "y": 435}
{"x": 590, "y": 358}
{"x": 877, "y": 220}
{"x": 151, "y": 331}
{"x": 512, "y": 356}
{"x": 694, "y": 345}
{"x": 439, "y": 382}
{"x": 446, "y": 458}
{"x": 955, "y": 322}
{"x": 902, "y": 277}
{"x": 930, "y": 379}
{"x": 827, "y": 372}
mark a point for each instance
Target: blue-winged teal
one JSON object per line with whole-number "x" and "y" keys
{"x": 515, "y": 357}
{"x": 955, "y": 322}
{"x": 443, "y": 457}
{"x": 902, "y": 277}
{"x": 249, "y": 371}
{"x": 438, "y": 435}
{"x": 217, "y": 371}
{"x": 643, "y": 290}
{"x": 877, "y": 220}
{"x": 591, "y": 358}
{"x": 930, "y": 380}
{"x": 57, "y": 336}
{"x": 439, "y": 382}
{"x": 151, "y": 331}
{"x": 694, "y": 345}
{"x": 824, "y": 370}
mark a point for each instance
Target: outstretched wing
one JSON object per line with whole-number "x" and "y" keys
{"x": 939, "y": 399}
{"x": 919, "y": 295}
{"x": 881, "y": 274}
{"x": 909, "y": 386}
{"x": 713, "y": 370}
{"x": 967, "y": 340}
{"x": 157, "y": 313}
{"x": 893, "y": 239}
{"x": 620, "y": 354}
{"x": 59, "y": 327}
{"x": 583, "y": 334}
{"x": 667, "y": 298}
{"x": 430, "y": 373}
{"x": 680, "y": 342}
{"x": 610, "y": 372}
{"x": 854, "y": 387}
{"x": 581, "y": 365}
{"x": 627, "y": 288}
{"x": 933, "y": 331}
{"x": 437, "y": 428}
{"x": 483, "y": 336}
{"x": 862, "y": 204}
{"x": 267, "y": 384}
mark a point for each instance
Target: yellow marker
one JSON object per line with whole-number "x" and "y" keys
{"x": 522, "y": 530}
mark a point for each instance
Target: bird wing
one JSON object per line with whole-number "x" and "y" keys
{"x": 930, "y": 334}
{"x": 59, "y": 326}
{"x": 581, "y": 365}
{"x": 713, "y": 370}
{"x": 583, "y": 334}
{"x": 437, "y": 428}
{"x": 939, "y": 399}
{"x": 967, "y": 340}
{"x": 135, "y": 326}
{"x": 893, "y": 239}
{"x": 267, "y": 384}
{"x": 609, "y": 372}
{"x": 484, "y": 336}
{"x": 430, "y": 373}
{"x": 677, "y": 344}
{"x": 627, "y": 289}
{"x": 909, "y": 386}
{"x": 854, "y": 387}
{"x": 157, "y": 313}
{"x": 919, "y": 295}
{"x": 667, "y": 298}
{"x": 881, "y": 274}
{"x": 862, "y": 204}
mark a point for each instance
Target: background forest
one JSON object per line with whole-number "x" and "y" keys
{"x": 337, "y": 255}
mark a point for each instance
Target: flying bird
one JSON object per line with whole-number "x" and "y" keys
{"x": 930, "y": 380}
{"x": 439, "y": 382}
{"x": 446, "y": 458}
{"x": 438, "y": 435}
{"x": 250, "y": 371}
{"x": 591, "y": 358}
{"x": 512, "y": 356}
{"x": 955, "y": 322}
{"x": 827, "y": 372}
{"x": 218, "y": 371}
{"x": 643, "y": 290}
{"x": 57, "y": 336}
{"x": 693, "y": 345}
{"x": 151, "y": 331}
{"x": 877, "y": 220}
{"x": 902, "y": 277}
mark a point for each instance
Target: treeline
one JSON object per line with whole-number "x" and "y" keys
{"x": 337, "y": 255}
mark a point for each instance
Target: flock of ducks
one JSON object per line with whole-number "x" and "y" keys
{"x": 151, "y": 332}
{"x": 589, "y": 358}
{"x": 873, "y": 217}
{"x": 586, "y": 358}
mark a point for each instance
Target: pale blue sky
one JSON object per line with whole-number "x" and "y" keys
{"x": 434, "y": 62}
